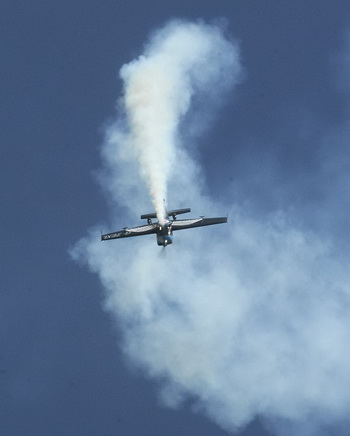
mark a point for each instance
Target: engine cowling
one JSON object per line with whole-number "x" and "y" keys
{"x": 164, "y": 240}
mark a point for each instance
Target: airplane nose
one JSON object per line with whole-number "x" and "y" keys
{"x": 167, "y": 240}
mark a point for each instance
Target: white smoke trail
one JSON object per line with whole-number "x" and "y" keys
{"x": 245, "y": 320}
{"x": 158, "y": 90}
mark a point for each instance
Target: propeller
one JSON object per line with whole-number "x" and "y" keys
{"x": 162, "y": 252}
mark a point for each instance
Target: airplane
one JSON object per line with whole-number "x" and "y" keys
{"x": 164, "y": 231}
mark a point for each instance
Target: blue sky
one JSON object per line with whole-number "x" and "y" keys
{"x": 276, "y": 147}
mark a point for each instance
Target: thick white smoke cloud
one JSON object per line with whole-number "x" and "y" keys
{"x": 158, "y": 90}
{"x": 249, "y": 319}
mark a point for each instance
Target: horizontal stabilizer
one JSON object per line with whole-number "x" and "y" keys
{"x": 172, "y": 213}
{"x": 148, "y": 215}
{"x": 175, "y": 212}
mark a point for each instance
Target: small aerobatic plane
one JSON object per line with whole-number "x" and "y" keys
{"x": 164, "y": 231}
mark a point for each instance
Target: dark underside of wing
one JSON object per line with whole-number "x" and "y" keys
{"x": 196, "y": 222}
{"x": 128, "y": 232}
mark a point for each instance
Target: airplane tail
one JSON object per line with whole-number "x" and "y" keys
{"x": 172, "y": 213}
{"x": 175, "y": 212}
{"x": 148, "y": 215}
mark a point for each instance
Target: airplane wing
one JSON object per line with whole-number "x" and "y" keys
{"x": 196, "y": 222}
{"x": 128, "y": 232}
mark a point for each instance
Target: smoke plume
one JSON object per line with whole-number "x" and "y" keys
{"x": 244, "y": 320}
{"x": 158, "y": 87}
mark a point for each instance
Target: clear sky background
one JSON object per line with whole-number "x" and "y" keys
{"x": 279, "y": 143}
